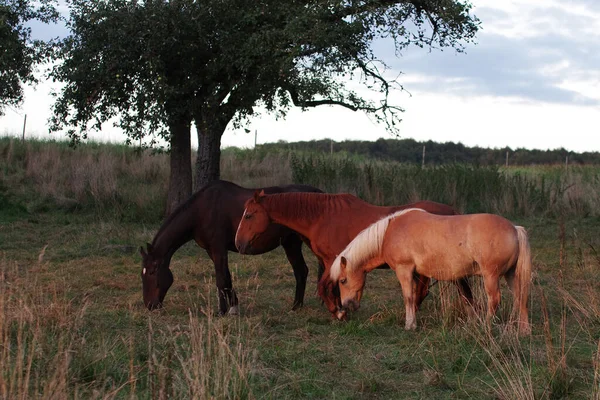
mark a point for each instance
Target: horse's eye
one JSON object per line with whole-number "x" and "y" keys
{"x": 343, "y": 281}
{"x": 247, "y": 216}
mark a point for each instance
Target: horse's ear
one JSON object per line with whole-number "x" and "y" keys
{"x": 343, "y": 262}
{"x": 149, "y": 247}
{"x": 259, "y": 195}
{"x": 143, "y": 252}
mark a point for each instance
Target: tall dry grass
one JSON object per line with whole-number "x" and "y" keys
{"x": 120, "y": 181}
{"x": 39, "y": 331}
{"x": 548, "y": 191}
{"x": 45, "y": 344}
{"x": 104, "y": 178}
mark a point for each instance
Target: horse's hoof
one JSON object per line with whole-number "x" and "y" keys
{"x": 234, "y": 310}
{"x": 297, "y": 306}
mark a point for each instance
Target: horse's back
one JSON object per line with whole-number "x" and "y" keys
{"x": 297, "y": 188}
{"x": 431, "y": 207}
{"x": 218, "y": 208}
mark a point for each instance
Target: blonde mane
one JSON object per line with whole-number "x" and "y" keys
{"x": 366, "y": 245}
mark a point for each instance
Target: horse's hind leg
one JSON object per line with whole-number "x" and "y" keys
{"x": 516, "y": 292}
{"x": 464, "y": 289}
{"x": 492, "y": 289}
{"x": 293, "y": 250}
{"x": 227, "y": 298}
{"x": 421, "y": 288}
{"x": 405, "y": 276}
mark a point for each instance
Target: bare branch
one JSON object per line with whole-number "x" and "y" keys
{"x": 315, "y": 103}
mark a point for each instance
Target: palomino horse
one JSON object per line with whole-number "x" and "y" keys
{"x": 329, "y": 222}
{"x": 210, "y": 217}
{"x": 440, "y": 247}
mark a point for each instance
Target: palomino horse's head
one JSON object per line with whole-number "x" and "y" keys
{"x": 156, "y": 280}
{"x": 351, "y": 283}
{"x": 254, "y": 222}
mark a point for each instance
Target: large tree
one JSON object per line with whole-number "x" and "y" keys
{"x": 19, "y": 53}
{"x": 160, "y": 65}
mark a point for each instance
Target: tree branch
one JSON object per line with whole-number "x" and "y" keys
{"x": 369, "y": 6}
{"x": 315, "y": 103}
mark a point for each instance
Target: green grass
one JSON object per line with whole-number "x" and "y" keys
{"x": 94, "y": 290}
{"x": 72, "y": 323}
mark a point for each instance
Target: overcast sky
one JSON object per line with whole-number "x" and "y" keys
{"x": 532, "y": 80}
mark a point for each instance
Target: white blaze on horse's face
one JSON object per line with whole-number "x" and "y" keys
{"x": 238, "y": 228}
{"x": 255, "y": 221}
{"x": 144, "y": 271}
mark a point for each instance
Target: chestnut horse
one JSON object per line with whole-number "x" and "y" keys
{"x": 210, "y": 217}
{"x": 329, "y": 222}
{"x": 440, "y": 247}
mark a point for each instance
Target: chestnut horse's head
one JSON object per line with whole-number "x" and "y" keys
{"x": 254, "y": 222}
{"x": 330, "y": 296}
{"x": 351, "y": 281}
{"x": 156, "y": 279}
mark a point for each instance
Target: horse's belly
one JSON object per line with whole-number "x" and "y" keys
{"x": 447, "y": 270}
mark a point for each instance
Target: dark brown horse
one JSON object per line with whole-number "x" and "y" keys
{"x": 329, "y": 222}
{"x": 211, "y": 217}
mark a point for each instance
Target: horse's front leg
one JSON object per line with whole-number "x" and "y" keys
{"x": 321, "y": 269}
{"x": 293, "y": 250}
{"x": 405, "y": 276}
{"x": 227, "y": 298}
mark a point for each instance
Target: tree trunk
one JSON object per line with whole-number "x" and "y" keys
{"x": 208, "y": 166}
{"x": 180, "y": 179}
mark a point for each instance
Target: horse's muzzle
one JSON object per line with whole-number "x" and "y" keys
{"x": 242, "y": 247}
{"x": 351, "y": 305}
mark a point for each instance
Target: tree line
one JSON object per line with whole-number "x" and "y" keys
{"x": 411, "y": 151}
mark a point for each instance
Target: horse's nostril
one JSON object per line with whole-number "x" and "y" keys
{"x": 243, "y": 248}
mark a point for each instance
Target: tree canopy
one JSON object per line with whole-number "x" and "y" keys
{"x": 160, "y": 65}
{"x": 18, "y": 52}
{"x": 136, "y": 58}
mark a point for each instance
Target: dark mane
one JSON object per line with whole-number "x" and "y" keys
{"x": 184, "y": 207}
{"x": 308, "y": 205}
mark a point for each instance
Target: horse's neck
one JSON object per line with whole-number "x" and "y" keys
{"x": 374, "y": 262}
{"x": 367, "y": 260}
{"x": 366, "y": 248}
{"x": 289, "y": 213}
{"x": 174, "y": 233}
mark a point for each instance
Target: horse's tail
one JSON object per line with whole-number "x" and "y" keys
{"x": 523, "y": 279}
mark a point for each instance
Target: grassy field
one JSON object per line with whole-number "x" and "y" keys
{"x": 72, "y": 322}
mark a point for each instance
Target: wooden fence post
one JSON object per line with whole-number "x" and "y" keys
{"x": 24, "y": 125}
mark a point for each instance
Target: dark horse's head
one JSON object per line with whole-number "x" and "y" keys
{"x": 156, "y": 278}
{"x": 254, "y": 222}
